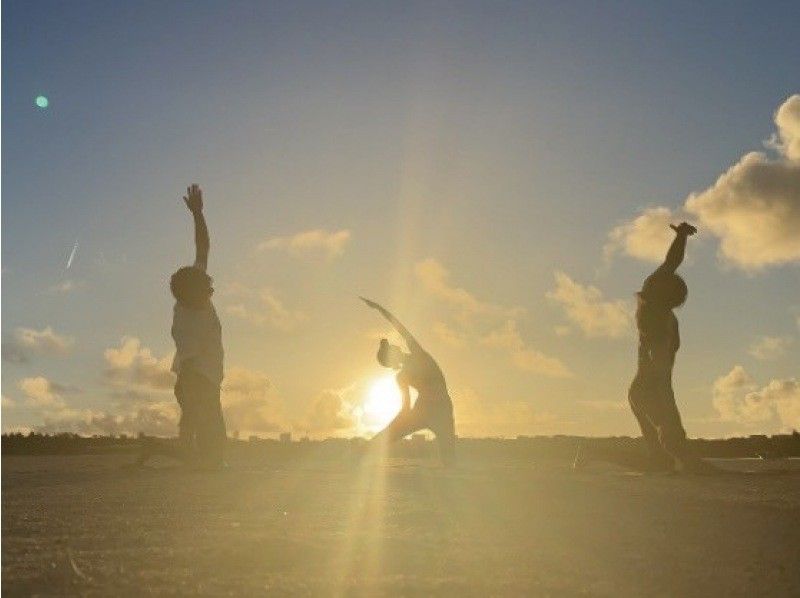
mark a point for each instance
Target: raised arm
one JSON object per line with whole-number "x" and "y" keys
{"x": 677, "y": 250}
{"x": 410, "y": 340}
{"x": 194, "y": 201}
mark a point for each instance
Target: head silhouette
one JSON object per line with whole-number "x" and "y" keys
{"x": 390, "y": 356}
{"x": 666, "y": 291}
{"x": 191, "y": 287}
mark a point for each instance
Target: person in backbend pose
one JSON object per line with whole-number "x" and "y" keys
{"x": 651, "y": 396}
{"x": 198, "y": 359}
{"x": 433, "y": 409}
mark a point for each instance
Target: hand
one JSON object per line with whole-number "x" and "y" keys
{"x": 684, "y": 228}
{"x": 372, "y": 304}
{"x": 194, "y": 198}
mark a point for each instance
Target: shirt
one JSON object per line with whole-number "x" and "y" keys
{"x": 198, "y": 336}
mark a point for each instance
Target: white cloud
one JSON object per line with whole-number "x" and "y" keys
{"x": 133, "y": 364}
{"x": 647, "y": 237}
{"x": 42, "y": 393}
{"x": 265, "y": 309}
{"x": 754, "y": 207}
{"x": 584, "y": 306}
{"x": 248, "y": 403}
{"x": 448, "y": 335}
{"x": 152, "y": 419}
{"x": 29, "y": 341}
{"x": 316, "y": 242}
{"x": 736, "y": 398}
{"x": 787, "y": 120}
{"x": 770, "y": 347}
{"x": 329, "y": 413}
{"x": 523, "y": 356}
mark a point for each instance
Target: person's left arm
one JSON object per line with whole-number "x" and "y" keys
{"x": 412, "y": 343}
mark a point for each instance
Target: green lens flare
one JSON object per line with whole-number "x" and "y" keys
{"x": 42, "y": 101}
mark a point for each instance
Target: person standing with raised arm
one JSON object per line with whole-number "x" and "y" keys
{"x": 433, "y": 409}
{"x": 198, "y": 357}
{"x": 651, "y": 395}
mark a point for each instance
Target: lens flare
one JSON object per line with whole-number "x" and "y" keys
{"x": 42, "y": 102}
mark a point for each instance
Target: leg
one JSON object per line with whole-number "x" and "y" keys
{"x": 210, "y": 424}
{"x": 406, "y": 422}
{"x": 443, "y": 425}
{"x": 641, "y": 400}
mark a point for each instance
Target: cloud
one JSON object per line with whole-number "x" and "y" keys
{"x": 29, "y": 341}
{"x": 266, "y": 310}
{"x": 737, "y": 398}
{"x": 43, "y": 393}
{"x": 313, "y": 243}
{"x": 8, "y": 402}
{"x": 787, "y": 120}
{"x": 435, "y": 279}
{"x": 523, "y": 356}
{"x": 248, "y": 403}
{"x": 329, "y": 413}
{"x": 754, "y": 207}
{"x": 133, "y": 364}
{"x": 770, "y": 347}
{"x": 647, "y": 237}
{"x": 152, "y": 419}
{"x": 584, "y": 306}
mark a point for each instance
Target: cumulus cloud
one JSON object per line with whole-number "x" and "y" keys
{"x": 754, "y": 207}
{"x": 313, "y": 243}
{"x": 248, "y": 403}
{"x": 265, "y": 309}
{"x": 152, "y": 419}
{"x": 435, "y": 279}
{"x": 770, "y": 347}
{"x": 647, "y": 237}
{"x": 133, "y": 364}
{"x": 43, "y": 393}
{"x": 737, "y": 398}
{"x": 29, "y": 341}
{"x": 524, "y": 357}
{"x": 329, "y": 413}
{"x": 585, "y": 308}
{"x": 787, "y": 120}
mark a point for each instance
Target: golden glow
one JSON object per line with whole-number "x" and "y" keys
{"x": 382, "y": 403}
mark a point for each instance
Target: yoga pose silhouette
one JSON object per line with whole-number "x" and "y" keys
{"x": 651, "y": 396}
{"x": 433, "y": 409}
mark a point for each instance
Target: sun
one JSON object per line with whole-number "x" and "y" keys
{"x": 382, "y": 403}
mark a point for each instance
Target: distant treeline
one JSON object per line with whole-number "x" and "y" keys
{"x": 523, "y": 447}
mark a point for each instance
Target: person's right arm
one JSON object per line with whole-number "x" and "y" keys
{"x": 677, "y": 250}
{"x": 202, "y": 243}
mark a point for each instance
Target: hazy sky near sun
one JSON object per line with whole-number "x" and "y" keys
{"x": 500, "y": 176}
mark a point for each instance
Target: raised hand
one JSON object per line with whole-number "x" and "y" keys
{"x": 372, "y": 304}
{"x": 194, "y": 198}
{"x": 684, "y": 228}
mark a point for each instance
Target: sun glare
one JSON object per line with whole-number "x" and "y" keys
{"x": 382, "y": 403}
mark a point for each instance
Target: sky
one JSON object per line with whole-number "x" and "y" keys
{"x": 501, "y": 176}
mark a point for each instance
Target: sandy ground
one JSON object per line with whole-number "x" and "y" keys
{"x": 82, "y": 525}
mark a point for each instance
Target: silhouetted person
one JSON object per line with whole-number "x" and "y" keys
{"x": 433, "y": 409}
{"x": 651, "y": 396}
{"x": 198, "y": 358}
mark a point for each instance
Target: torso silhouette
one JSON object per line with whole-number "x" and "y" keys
{"x": 420, "y": 371}
{"x": 658, "y": 328}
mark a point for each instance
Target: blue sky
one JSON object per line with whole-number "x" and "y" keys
{"x": 503, "y": 141}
